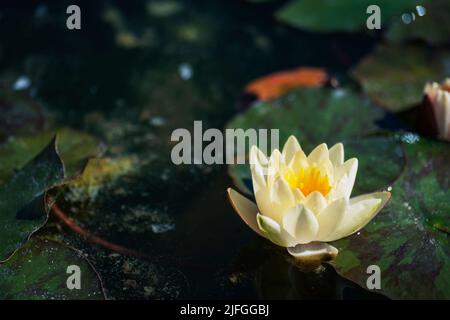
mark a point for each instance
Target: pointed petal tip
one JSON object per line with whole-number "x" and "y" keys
{"x": 246, "y": 209}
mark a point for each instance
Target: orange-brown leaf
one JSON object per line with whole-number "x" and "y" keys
{"x": 276, "y": 84}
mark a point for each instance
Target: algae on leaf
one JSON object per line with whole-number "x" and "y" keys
{"x": 409, "y": 238}
{"x": 39, "y": 271}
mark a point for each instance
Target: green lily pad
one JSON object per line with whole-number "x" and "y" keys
{"x": 317, "y": 115}
{"x": 432, "y": 28}
{"x": 338, "y": 16}
{"x": 394, "y": 77}
{"x": 409, "y": 239}
{"x": 39, "y": 271}
{"x": 74, "y": 148}
{"x": 22, "y": 208}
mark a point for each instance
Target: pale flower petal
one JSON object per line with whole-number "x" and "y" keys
{"x": 319, "y": 154}
{"x": 330, "y": 218}
{"x": 274, "y": 167}
{"x": 337, "y": 154}
{"x": 258, "y": 157}
{"x": 258, "y": 178}
{"x": 298, "y": 161}
{"x": 274, "y": 232}
{"x": 361, "y": 211}
{"x": 281, "y": 199}
{"x": 315, "y": 202}
{"x": 439, "y": 96}
{"x": 349, "y": 170}
{"x": 245, "y": 208}
{"x": 290, "y": 148}
{"x": 300, "y": 223}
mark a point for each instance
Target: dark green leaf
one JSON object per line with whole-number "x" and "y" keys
{"x": 433, "y": 27}
{"x": 409, "y": 239}
{"x": 38, "y": 271}
{"x": 74, "y": 148}
{"x": 22, "y": 209}
{"x": 394, "y": 77}
{"x": 337, "y": 16}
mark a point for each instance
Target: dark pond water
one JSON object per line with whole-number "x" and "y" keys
{"x": 136, "y": 71}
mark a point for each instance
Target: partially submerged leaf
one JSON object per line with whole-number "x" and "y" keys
{"x": 339, "y": 16}
{"x": 394, "y": 77}
{"x": 409, "y": 239}
{"x": 277, "y": 84}
{"x": 39, "y": 271}
{"x": 22, "y": 208}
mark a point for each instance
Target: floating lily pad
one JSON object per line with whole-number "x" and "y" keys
{"x": 314, "y": 116}
{"x": 74, "y": 148}
{"x": 394, "y": 77}
{"x": 38, "y": 271}
{"x": 432, "y": 28}
{"x": 338, "y": 16}
{"x": 409, "y": 239}
{"x": 22, "y": 209}
{"x": 375, "y": 152}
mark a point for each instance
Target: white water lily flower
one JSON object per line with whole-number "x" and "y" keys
{"x": 303, "y": 201}
{"x": 439, "y": 95}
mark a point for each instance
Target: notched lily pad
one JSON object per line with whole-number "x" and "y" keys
{"x": 409, "y": 239}
{"x": 22, "y": 209}
{"x": 394, "y": 77}
{"x": 39, "y": 271}
{"x": 339, "y": 16}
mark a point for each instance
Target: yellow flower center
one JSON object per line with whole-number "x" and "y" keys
{"x": 308, "y": 180}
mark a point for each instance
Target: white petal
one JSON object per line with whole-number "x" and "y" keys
{"x": 298, "y": 195}
{"x": 315, "y": 202}
{"x": 337, "y": 154}
{"x": 331, "y": 218}
{"x": 301, "y": 223}
{"x": 349, "y": 169}
{"x": 258, "y": 178}
{"x": 319, "y": 154}
{"x": 361, "y": 211}
{"x": 299, "y": 161}
{"x": 273, "y": 231}
{"x": 313, "y": 252}
{"x": 245, "y": 208}
{"x": 273, "y": 169}
{"x": 340, "y": 190}
{"x": 290, "y": 148}
{"x": 257, "y": 156}
{"x": 281, "y": 199}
